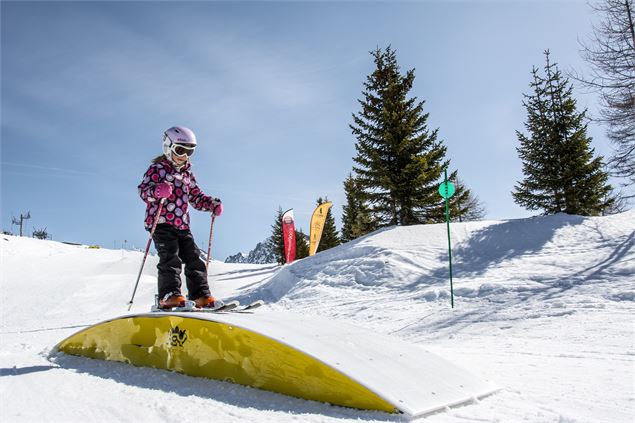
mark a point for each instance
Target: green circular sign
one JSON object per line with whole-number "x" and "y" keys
{"x": 446, "y": 189}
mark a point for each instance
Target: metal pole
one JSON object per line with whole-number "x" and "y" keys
{"x": 447, "y": 220}
{"x": 209, "y": 245}
{"x": 154, "y": 226}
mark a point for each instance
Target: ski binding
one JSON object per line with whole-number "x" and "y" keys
{"x": 190, "y": 306}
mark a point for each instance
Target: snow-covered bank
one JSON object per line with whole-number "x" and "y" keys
{"x": 543, "y": 306}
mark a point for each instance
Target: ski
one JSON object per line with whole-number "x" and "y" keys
{"x": 224, "y": 307}
{"x": 190, "y": 307}
{"x": 250, "y": 306}
{"x": 233, "y": 306}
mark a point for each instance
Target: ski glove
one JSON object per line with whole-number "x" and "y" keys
{"x": 217, "y": 207}
{"x": 163, "y": 190}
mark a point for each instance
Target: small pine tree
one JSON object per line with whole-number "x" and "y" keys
{"x": 465, "y": 206}
{"x": 330, "y": 237}
{"x": 301, "y": 245}
{"x": 350, "y": 209}
{"x": 275, "y": 243}
{"x": 561, "y": 174}
{"x": 356, "y": 217}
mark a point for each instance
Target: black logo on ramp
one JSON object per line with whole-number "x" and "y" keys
{"x": 178, "y": 337}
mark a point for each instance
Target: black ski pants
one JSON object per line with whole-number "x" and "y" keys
{"x": 177, "y": 247}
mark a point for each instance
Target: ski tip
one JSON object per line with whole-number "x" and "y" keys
{"x": 227, "y": 306}
{"x": 253, "y": 305}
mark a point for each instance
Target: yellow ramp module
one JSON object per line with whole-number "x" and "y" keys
{"x": 302, "y": 356}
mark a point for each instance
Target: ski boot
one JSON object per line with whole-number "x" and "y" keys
{"x": 206, "y": 301}
{"x": 171, "y": 300}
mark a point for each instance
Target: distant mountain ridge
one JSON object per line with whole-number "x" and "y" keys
{"x": 261, "y": 254}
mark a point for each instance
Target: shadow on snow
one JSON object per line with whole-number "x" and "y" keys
{"x": 225, "y": 392}
{"x": 505, "y": 241}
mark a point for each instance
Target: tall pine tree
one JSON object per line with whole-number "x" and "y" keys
{"x": 330, "y": 237}
{"x": 561, "y": 174}
{"x": 399, "y": 161}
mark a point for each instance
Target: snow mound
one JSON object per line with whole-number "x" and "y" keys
{"x": 494, "y": 260}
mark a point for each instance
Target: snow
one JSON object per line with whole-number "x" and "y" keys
{"x": 543, "y": 307}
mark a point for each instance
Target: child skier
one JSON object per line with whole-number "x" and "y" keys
{"x": 170, "y": 179}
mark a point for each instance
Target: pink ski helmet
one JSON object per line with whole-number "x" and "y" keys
{"x": 175, "y": 136}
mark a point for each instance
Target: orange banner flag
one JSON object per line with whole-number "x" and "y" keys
{"x": 317, "y": 225}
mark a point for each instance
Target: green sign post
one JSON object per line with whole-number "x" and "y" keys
{"x": 446, "y": 190}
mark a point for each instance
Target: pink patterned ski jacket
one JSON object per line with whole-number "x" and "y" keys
{"x": 185, "y": 190}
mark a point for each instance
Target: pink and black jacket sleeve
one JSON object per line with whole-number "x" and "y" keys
{"x": 197, "y": 197}
{"x": 186, "y": 191}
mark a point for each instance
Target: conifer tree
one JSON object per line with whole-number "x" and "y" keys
{"x": 330, "y": 237}
{"x": 465, "y": 206}
{"x": 275, "y": 243}
{"x": 301, "y": 244}
{"x": 356, "y": 220}
{"x": 561, "y": 174}
{"x": 350, "y": 209}
{"x": 399, "y": 161}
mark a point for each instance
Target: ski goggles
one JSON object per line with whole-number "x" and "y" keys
{"x": 182, "y": 150}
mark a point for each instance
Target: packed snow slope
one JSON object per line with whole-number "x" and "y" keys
{"x": 543, "y": 306}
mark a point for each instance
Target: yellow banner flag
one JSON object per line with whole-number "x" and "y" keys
{"x": 317, "y": 225}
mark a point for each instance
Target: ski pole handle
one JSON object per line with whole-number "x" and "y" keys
{"x": 154, "y": 226}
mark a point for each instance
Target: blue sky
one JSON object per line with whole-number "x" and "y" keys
{"x": 268, "y": 87}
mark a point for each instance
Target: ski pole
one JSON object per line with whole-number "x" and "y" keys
{"x": 154, "y": 226}
{"x": 209, "y": 245}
